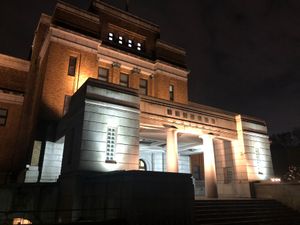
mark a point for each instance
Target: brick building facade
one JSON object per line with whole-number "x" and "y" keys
{"x": 102, "y": 92}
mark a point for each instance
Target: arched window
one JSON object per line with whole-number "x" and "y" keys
{"x": 142, "y": 165}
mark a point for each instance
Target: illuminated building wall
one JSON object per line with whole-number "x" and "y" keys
{"x": 104, "y": 91}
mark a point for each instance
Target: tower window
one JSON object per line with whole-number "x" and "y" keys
{"x": 143, "y": 86}
{"x": 139, "y": 46}
{"x": 120, "y": 40}
{"x": 171, "y": 92}
{"x": 129, "y": 43}
{"x": 72, "y": 66}
{"x": 103, "y": 74}
{"x": 3, "y": 116}
{"x": 110, "y": 36}
{"x": 111, "y": 144}
{"x": 124, "y": 80}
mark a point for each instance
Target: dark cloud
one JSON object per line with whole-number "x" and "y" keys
{"x": 243, "y": 55}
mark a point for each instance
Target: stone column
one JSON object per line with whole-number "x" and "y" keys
{"x": 172, "y": 151}
{"x": 115, "y": 75}
{"x": 209, "y": 167}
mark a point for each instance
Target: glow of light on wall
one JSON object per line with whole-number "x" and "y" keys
{"x": 275, "y": 179}
{"x": 260, "y": 169}
{"x": 21, "y": 221}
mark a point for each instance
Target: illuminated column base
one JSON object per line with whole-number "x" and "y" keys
{"x": 172, "y": 151}
{"x": 209, "y": 167}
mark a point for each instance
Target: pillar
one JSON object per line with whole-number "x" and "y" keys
{"x": 115, "y": 74}
{"x": 172, "y": 151}
{"x": 209, "y": 167}
{"x": 134, "y": 79}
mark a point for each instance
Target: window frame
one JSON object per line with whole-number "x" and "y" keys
{"x": 171, "y": 92}
{"x": 124, "y": 84}
{"x": 72, "y": 68}
{"x": 102, "y": 78}
{"x": 142, "y": 165}
{"x": 111, "y": 142}
{"x": 143, "y": 89}
{"x": 4, "y": 117}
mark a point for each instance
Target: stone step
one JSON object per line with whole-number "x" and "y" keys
{"x": 245, "y": 216}
{"x": 243, "y": 212}
{"x": 225, "y": 212}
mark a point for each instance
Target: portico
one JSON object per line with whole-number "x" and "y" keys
{"x": 175, "y": 147}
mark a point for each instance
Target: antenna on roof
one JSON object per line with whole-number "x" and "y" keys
{"x": 127, "y": 6}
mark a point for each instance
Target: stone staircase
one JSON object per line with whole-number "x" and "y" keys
{"x": 231, "y": 212}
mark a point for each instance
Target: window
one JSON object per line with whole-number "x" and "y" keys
{"x": 171, "y": 92}
{"x": 169, "y": 111}
{"x": 213, "y": 121}
{"x": 129, "y": 43}
{"x": 3, "y": 116}
{"x": 139, "y": 46}
{"x": 103, "y": 74}
{"x": 143, "y": 86}
{"x": 111, "y": 144}
{"x": 206, "y": 120}
{"x": 110, "y": 36}
{"x": 200, "y": 118}
{"x": 258, "y": 161}
{"x": 142, "y": 165}
{"x": 66, "y": 104}
{"x": 124, "y": 80}
{"x": 227, "y": 175}
{"x": 120, "y": 40}
{"x": 72, "y": 66}
{"x": 177, "y": 113}
{"x": 184, "y": 115}
{"x": 192, "y": 116}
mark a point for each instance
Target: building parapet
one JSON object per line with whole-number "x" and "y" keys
{"x": 14, "y": 63}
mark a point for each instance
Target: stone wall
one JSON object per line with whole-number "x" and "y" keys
{"x": 136, "y": 197}
{"x": 35, "y": 202}
{"x": 52, "y": 160}
{"x": 231, "y": 170}
{"x": 98, "y": 118}
{"x": 288, "y": 194}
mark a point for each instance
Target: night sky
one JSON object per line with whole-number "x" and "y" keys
{"x": 244, "y": 55}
